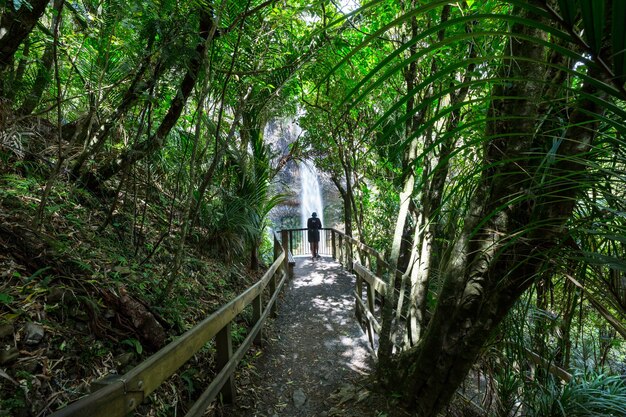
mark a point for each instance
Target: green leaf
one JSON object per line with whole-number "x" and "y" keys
{"x": 5, "y": 298}
{"x": 37, "y": 273}
{"x": 568, "y": 10}
{"x": 618, "y": 37}
{"x": 136, "y": 344}
{"x": 593, "y": 22}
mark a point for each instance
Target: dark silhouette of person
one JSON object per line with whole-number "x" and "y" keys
{"x": 314, "y": 225}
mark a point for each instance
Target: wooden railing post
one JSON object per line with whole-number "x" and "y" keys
{"x": 224, "y": 346}
{"x": 272, "y": 285}
{"x": 333, "y": 243}
{"x": 277, "y": 248}
{"x": 257, "y": 312}
{"x": 380, "y": 269}
{"x": 370, "y": 305}
{"x": 359, "y": 293}
{"x": 341, "y": 249}
{"x": 284, "y": 238}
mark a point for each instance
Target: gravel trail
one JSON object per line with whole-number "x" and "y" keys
{"x": 315, "y": 360}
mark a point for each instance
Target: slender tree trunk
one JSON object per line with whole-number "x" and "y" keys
{"x": 432, "y": 196}
{"x": 182, "y": 239}
{"x": 347, "y": 211}
{"x": 563, "y": 356}
{"x": 14, "y": 78}
{"x": 385, "y": 349}
{"x": 346, "y": 193}
{"x": 415, "y": 271}
{"x": 60, "y": 156}
{"x": 43, "y": 72}
{"x": 387, "y": 334}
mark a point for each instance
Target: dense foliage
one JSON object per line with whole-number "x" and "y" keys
{"x": 479, "y": 145}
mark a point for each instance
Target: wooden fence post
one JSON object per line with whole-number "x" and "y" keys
{"x": 277, "y": 248}
{"x": 379, "y": 266}
{"x": 359, "y": 292}
{"x": 333, "y": 243}
{"x": 284, "y": 237}
{"x": 272, "y": 283}
{"x": 272, "y": 287}
{"x": 341, "y": 249}
{"x": 370, "y": 305}
{"x": 224, "y": 346}
{"x": 257, "y": 312}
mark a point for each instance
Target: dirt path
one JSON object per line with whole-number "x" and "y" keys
{"x": 316, "y": 360}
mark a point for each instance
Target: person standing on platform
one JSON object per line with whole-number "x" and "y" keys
{"x": 314, "y": 225}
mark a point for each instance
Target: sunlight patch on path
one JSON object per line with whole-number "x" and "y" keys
{"x": 317, "y": 349}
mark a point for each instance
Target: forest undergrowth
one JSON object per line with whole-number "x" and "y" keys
{"x": 83, "y": 279}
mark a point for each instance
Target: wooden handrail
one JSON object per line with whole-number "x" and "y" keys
{"x": 379, "y": 285}
{"x": 375, "y": 285}
{"x": 213, "y": 390}
{"x": 125, "y": 393}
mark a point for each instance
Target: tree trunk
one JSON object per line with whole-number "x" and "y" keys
{"x": 15, "y": 25}
{"x": 431, "y": 202}
{"x": 387, "y": 334}
{"x": 43, "y": 72}
{"x": 501, "y": 247}
{"x": 347, "y": 207}
{"x": 15, "y": 78}
{"x": 254, "y": 255}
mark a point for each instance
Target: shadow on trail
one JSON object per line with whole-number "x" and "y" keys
{"x": 316, "y": 349}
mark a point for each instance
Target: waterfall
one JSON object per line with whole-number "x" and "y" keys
{"x": 311, "y": 195}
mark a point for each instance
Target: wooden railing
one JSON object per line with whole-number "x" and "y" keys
{"x": 123, "y": 394}
{"x": 371, "y": 286}
{"x": 359, "y": 259}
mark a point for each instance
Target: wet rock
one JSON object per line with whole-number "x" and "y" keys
{"x": 299, "y": 398}
{"x": 8, "y": 355}
{"x": 34, "y": 333}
